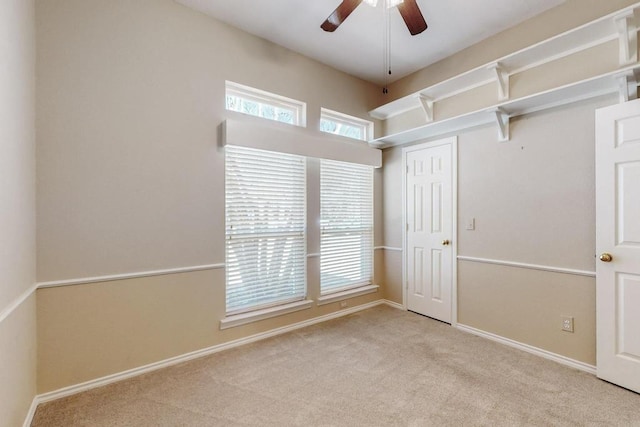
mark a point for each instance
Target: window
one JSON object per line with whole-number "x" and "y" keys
{"x": 342, "y": 124}
{"x": 346, "y": 220}
{"x": 255, "y": 102}
{"x": 265, "y": 211}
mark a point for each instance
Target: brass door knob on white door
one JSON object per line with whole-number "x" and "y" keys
{"x": 605, "y": 257}
{"x": 445, "y": 242}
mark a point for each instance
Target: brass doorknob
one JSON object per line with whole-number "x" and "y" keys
{"x": 445, "y": 242}
{"x": 605, "y": 257}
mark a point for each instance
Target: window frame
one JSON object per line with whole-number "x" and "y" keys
{"x": 263, "y": 97}
{"x": 366, "y": 126}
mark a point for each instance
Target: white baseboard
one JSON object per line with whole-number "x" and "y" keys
{"x": 109, "y": 379}
{"x": 567, "y": 361}
{"x": 32, "y": 411}
{"x": 393, "y": 304}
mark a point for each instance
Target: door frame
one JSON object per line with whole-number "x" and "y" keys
{"x": 453, "y": 142}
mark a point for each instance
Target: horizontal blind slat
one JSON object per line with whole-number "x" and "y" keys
{"x": 346, "y": 211}
{"x": 265, "y": 209}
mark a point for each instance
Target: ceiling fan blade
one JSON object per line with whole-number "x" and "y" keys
{"x": 340, "y": 14}
{"x": 412, "y": 16}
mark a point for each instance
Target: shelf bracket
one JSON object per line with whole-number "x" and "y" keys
{"x": 627, "y": 37}
{"x": 502, "y": 80}
{"x": 427, "y": 106}
{"x": 627, "y": 86}
{"x": 502, "y": 120}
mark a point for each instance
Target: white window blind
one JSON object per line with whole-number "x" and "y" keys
{"x": 346, "y": 219}
{"x": 265, "y": 229}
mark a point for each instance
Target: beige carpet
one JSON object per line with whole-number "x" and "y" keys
{"x": 380, "y": 367}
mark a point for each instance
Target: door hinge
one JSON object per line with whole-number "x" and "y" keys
{"x": 407, "y": 226}
{"x": 407, "y": 168}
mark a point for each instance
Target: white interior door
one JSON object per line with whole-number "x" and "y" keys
{"x": 429, "y": 191}
{"x": 618, "y": 244}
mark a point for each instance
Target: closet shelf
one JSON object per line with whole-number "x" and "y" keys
{"x": 603, "y": 84}
{"x": 622, "y": 26}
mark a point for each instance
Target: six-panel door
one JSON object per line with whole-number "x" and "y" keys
{"x": 429, "y": 209}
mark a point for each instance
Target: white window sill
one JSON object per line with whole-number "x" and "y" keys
{"x": 254, "y": 316}
{"x": 349, "y": 293}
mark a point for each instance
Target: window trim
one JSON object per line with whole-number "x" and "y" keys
{"x": 233, "y": 320}
{"x": 263, "y": 97}
{"x": 340, "y": 118}
{"x": 346, "y": 294}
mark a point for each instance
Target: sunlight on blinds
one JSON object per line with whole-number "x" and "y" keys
{"x": 346, "y": 219}
{"x": 265, "y": 229}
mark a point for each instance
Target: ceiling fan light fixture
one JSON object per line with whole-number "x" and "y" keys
{"x": 408, "y": 9}
{"x": 389, "y": 3}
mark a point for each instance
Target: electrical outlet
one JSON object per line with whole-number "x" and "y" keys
{"x": 567, "y": 323}
{"x": 343, "y": 304}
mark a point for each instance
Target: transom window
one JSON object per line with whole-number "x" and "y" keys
{"x": 345, "y": 125}
{"x": 256, "y": 102}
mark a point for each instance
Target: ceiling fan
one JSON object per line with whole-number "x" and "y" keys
{"x": 408, "y": 9}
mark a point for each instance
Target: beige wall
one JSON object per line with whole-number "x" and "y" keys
{"x": 130, "y": 177}
{"x": 17, "y": 210}
{"x": 87, "y": 332}
{"x": 130, "y": 97}
{"x": 533, "y": 200}
{"x": 532, "y": 197}
{"x": 17, "y": 155}
{"x": 525, "y": 305}
{"x": 391, "y": 229}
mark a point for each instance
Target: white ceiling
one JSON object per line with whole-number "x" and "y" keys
{"x": 356, "y": 47}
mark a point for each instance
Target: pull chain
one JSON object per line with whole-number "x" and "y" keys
{"x": 386, "y": 47}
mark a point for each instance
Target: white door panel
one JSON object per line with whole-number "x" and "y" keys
{"x": 429, "y": 216}
{"x": 618, "y": 234}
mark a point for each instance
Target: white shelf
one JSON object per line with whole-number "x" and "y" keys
{"x": 589, "y": 88}
{"x": 578, "y": 39}
{"x": 442, "y": 127}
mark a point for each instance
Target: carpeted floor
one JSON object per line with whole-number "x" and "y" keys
{"x": 380, "y": 367}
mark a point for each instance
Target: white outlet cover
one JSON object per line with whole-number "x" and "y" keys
{"x": 567, "y": 323}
